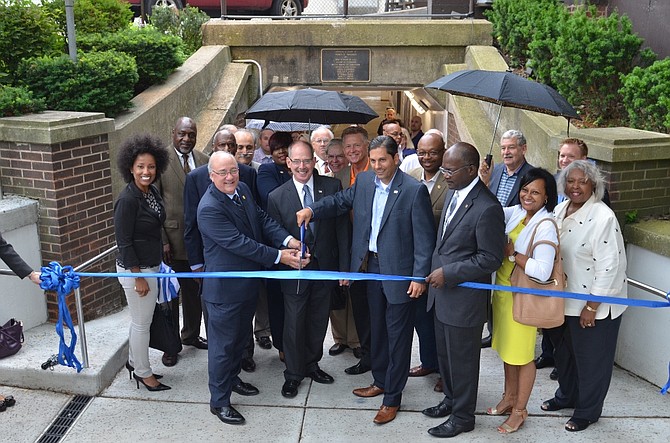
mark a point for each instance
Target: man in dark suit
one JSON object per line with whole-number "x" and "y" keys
{"x": 470, "y": 243}
{"x": 197, "y": 182}
{"x": 504, "y": 182}
{"x": 393, "y": 234}
{"x": 183, "y": 159}
{"x": 429, "y": 151}
{"x": 235, "y": 233}
{"x": 307, "y": 303}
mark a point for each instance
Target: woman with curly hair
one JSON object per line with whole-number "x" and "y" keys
{"x": 138, "y": 217}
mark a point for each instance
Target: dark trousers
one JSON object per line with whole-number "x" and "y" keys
{"x": 547, "y": 346}
{"x": 425, "y": 330}
{"x": 391, "y": 330}
{"x": 229, "y": 327}
{"x": 585, "y": 360}
{"x": 276, "y": 312}
{"x": 458, "y": 352}
{"x": 305, "y": 325}
{"x": 190, "y": 303}
{"x": 361, "y": 312}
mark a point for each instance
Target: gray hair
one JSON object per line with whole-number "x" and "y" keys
{"x": 334, "y": 142}
{"x": 513, "y": 133}
{"x": 216, "y": 155}
{"x": 590, "y": 171}
{"x": 253, "y": 134}
{"x": 320, "y": 129}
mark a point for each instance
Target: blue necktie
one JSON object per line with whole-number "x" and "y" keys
{"x": 307, "y": 201}
{"x": 450, "y": 212}
{"x": 237, "y": 201}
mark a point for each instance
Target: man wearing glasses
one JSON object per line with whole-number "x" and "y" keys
{"x": 237, "y": 236}
{"x": 307, "y": 302}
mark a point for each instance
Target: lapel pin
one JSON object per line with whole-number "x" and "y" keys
{"x": 439, "y": 186}
{"x": 395, "y": 191}
{"x": 320, "y": 191}
{"x": 244, "y": 197}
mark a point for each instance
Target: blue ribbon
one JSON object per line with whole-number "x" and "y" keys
{"x": 664, "y": 389}
{"x": 62, "y": 280}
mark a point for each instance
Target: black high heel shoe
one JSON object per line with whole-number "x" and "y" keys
{"x": 7, "y": 402}
{"x": 131, "y": 369}
{"x": 160, "y": 387}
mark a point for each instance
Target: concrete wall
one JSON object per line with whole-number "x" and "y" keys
{"x": 643, "y": 338}
{"x": 290, "y": 52}
{"x": 21, "y": 299}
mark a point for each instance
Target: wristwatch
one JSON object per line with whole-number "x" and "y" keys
{"x": 512, "y": 257}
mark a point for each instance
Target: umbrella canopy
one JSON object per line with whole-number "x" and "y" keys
{"x": 506, "y": 89}
{"x": 311, "y": 105}
{"x": 282, "y": 126}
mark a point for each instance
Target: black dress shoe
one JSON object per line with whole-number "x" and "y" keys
{"x": 486, "y": 342}
{"x": 449, "y": 429}
{"x": 337, "y": 349}
{"x": 265, "y": 342}
{"x": 438, "y": 411}
{"x": 320, "y": 376}
{"x": 542, "y": 362}
{"x": 554, "y": 374}
{"x": 200, "y": 343}
{"x": 356, "y": 369}
{"x": 169, "y": 360}
{"x": 248, "y": 364}
{"x": 228, "y": 414}
{"x": 358, "y": 353}
{"x": 245, "y": 389}
{"x": 290, "y": 388}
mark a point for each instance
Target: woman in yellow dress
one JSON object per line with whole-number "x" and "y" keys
{"x": 514, "y": 342}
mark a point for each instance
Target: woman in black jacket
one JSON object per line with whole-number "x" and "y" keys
{"x": 138, "y": 217}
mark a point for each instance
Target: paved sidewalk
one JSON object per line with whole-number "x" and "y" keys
{"x": 634, "y": 409}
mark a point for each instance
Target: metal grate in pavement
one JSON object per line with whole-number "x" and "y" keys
{"x": 65, "y": 419}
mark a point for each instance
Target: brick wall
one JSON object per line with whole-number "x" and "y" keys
{"x": 72, "y": 182}
{"x": 643, "y": 186}
{"x": 453, "y": 135}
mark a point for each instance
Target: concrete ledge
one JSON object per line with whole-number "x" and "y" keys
{"x": 348, "y": 33}
{"x": 624, "y": 144}
{"x": 107, "y": 348}
{"x": 653, "y": 235}
{"x": 53, "y": 127}
{"x": 17, "y": 212}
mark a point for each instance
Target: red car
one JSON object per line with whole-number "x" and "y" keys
{"x": 287, "y": 8}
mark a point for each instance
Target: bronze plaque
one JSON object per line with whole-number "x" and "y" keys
{"x": 345, "y": 65}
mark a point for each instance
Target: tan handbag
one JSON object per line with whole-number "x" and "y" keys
{"x": 538, "y": 310}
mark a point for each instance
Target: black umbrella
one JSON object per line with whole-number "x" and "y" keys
{"x": 506, "y": 89}
{"x": 311, "y": 105}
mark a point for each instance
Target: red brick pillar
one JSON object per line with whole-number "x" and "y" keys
{"x": 62, "y": 160}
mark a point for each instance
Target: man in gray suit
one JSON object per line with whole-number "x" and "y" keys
{"x": 392, "y": 214}
{"x": 470, "y": 243}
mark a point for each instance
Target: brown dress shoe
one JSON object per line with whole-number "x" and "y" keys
{"x": 439, "y": 386}
{"x": 369, "y": 391}
{"x": 169, "y": 360}
{"x": 420, "y": 371}
{"x": 386, "y": 414}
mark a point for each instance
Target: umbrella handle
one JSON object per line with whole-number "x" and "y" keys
{"x": 488, "y": 159}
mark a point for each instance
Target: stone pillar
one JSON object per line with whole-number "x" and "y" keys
{"x": 62, "y": 160}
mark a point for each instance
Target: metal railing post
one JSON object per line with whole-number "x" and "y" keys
{"x": 82, "y": 329}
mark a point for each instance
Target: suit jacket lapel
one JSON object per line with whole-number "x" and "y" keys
{"x": 460, "y": 212}
{"x": 439, "y": 189}
{"x": 394, "y": 192}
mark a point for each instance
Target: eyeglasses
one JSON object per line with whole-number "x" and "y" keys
{"x": 338, "y": 157}
{"x": 451, "y": 172}
{"x": 322, "y": 141}
{"x": 302, "y": 162}
{"x": 225, "y": 172}
{"x": 432, "y": 154}
{"x": 229, "y": 144}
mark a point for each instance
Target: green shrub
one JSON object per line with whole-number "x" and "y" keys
{"x": 589, "y": 56}
{"x": 25, "y": 31}
{"x": 186, "y": 24}
{"x": 98, "y": 82}
{"x": 515, "y": 23}
{"x": 646, "y": 96}
{"x": 92, "y": 16}
{"x": 17, "y": 101}
{"x": 157, "y": 55}
{"x": 541, "y": 48}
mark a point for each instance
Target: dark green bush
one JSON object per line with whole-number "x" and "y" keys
{"x": 25, "y": 31}
{"x": 588, "y": 58}
{"x": 646, "y": 96}
{"x": 17, "y": 101}
{"x": 157, "y": 55}
{"x": 92, "y": 16}
{"x": 540, "y": 52}
{"x": 98, "y": 82}
{"x": 515, "y": 23}
{"x": 186, "y": 24}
